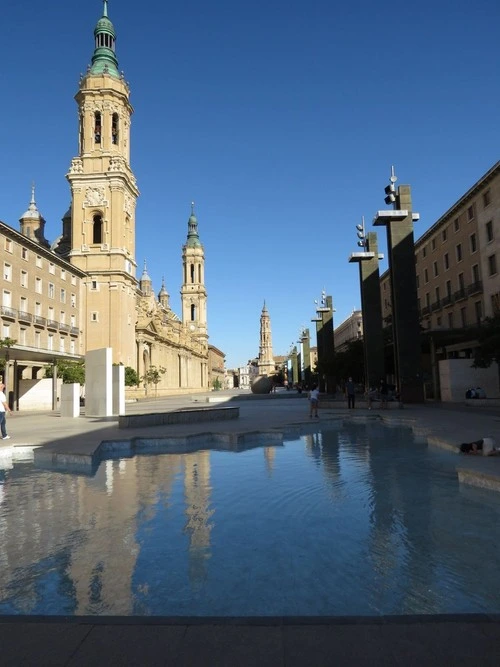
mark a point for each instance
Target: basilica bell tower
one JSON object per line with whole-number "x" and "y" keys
{"x": 193, "y": 291}
{"x": 103, "y": 201}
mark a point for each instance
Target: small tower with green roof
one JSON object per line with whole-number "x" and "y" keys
{"x": 193, "y": 292}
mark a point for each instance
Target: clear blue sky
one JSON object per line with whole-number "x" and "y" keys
{"x": 280, "y": 119}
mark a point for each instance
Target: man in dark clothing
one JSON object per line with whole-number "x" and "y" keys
{"x": 349, "y": 390}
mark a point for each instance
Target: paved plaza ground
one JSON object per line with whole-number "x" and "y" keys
{"x": 83, "y": 641}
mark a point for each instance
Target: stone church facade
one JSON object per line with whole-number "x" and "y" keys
{"x": 98, "y": 240}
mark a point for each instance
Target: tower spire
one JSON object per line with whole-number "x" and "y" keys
{"x": 193, "y": 240}
{"x": 32, "y": 221}
{"x": 104, "y": 60}
{"x": 266, "y": 361}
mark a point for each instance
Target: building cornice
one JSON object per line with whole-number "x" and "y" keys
{"x": 464, "y": 199}
{"x": 40, "y": 250}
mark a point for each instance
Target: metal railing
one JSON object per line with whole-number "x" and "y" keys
{"x": 24, "y": 317}
{"x": 7, "y": 311}
{"x": 475, "y": 288}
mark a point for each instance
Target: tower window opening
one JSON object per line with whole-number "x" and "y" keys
{"x": 98, "y": 127}
{"x": 193, "y": 312}
{"x": 192, "y": 272}
{"x": 199, "y": 273}
{"x": 114, "y": 128}
{"x": 97, "y": 229}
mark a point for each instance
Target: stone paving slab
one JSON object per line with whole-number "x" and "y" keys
{"x": 383, "y": 642}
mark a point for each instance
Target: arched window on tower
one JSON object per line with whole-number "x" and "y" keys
{"x": 192, "y": 272}
{"x": 114, "y": 129}
{"x": 97, "y": 229}
{"x": 199, "y": 273}
{"x": 97, "y": 127}
{"x": 193, "y": 312}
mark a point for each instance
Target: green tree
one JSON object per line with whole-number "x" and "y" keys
{"x": 131, "y": 377}
{"x": 488, "y": 336}
{"x": 350, "y": 362}
{"x": 153, "y": 376}
{"x": 216, "y": 384}
{"x": 6, "y": 343}
{"x": 68, "y": 371}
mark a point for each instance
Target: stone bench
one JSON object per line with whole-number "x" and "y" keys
{"x": 187, "y": 416}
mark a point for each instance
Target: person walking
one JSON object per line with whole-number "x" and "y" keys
{"x": 4, "y": 408}
{"x": 349, "y": 390}
{"x": 314, "y": 402}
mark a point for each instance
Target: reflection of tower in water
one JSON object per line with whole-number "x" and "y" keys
{"x": 269, "y": 454}
{"x": 197, "y": 491}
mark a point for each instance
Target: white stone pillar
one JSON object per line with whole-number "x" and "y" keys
{"x": 118, "y": 390}
{"x": 98, "y": 383}
{"x": 70, "y": 400}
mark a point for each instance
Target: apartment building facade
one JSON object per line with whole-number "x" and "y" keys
{"x": 348, "y": 330}
{"x": 41, "y": 303}
{"x": 456, "y": 262}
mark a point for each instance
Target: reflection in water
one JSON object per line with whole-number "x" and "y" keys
{"x": 347, "y": 521}
{"x": 197, "y": 491}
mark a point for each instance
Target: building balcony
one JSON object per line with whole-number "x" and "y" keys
{"x": 425, "y": 311}
{"x": 39, "y": 321}
{"x": 22, "y": 316}
{"x": 436, "y": 305}
{"x": 74, "y": 331}
{"x": 460, "y": 294}
{"x": 447, "y": 300}
{"x": 8, "y": 312}
{"x": 52, "y": 324}
{"x": 64, "y": 327}
{"x": 475, "y": 288}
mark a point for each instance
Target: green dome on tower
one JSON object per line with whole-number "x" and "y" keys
{"x": 193, "y": 240}
{"x": 104, "y": 59}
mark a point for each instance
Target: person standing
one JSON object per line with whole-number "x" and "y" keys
{"x": 349, "y": 390}
{"x": 4, "y": 408}
{"x": 314, "y": 402}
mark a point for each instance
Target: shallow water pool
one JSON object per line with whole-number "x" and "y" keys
{"x": 348, "y": 521}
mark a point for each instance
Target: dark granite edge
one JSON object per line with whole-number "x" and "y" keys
{"x": 257, "y": 620}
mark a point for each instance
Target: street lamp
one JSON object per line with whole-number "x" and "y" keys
{"x": 361, "y": 233}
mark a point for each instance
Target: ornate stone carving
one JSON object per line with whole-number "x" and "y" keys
{"x": 94, "y": 196}
{"x": 76, "y": 166}
{"x": 116, "y": 163}
{"x": 129, "y": 205}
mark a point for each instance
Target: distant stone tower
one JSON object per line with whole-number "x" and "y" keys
{"x": 266, "y": 361}
{"x": 33, "y": 223}
{"x": 193, "y": 292}
{"x": 103, "y": 201}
